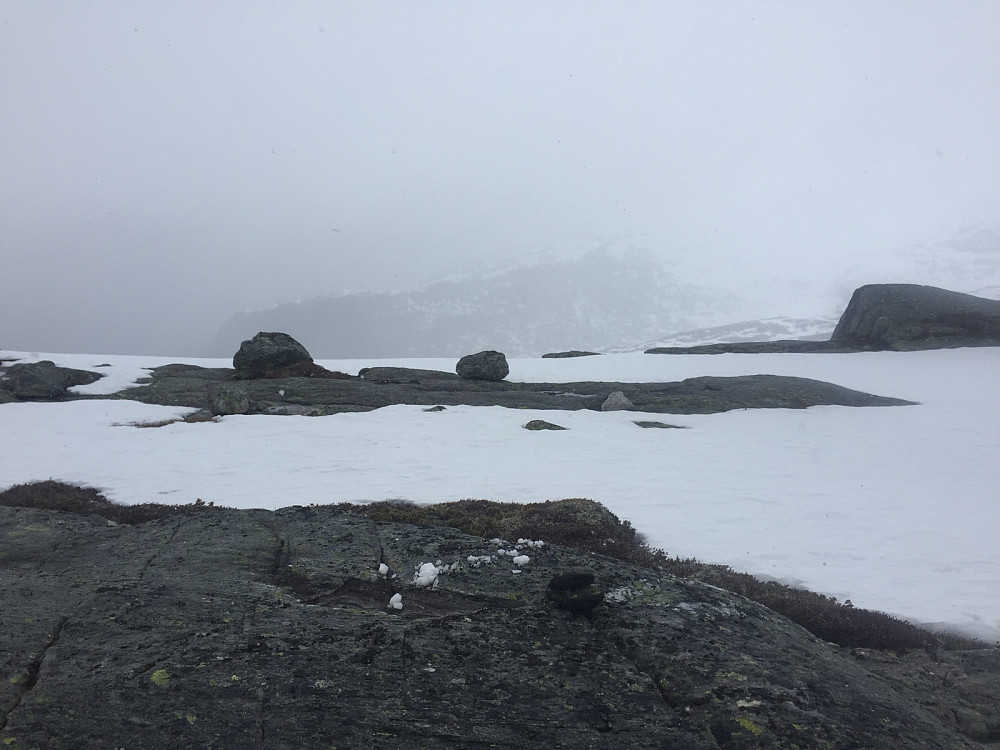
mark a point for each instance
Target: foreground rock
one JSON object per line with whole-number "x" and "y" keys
{"x": 237, "y": 629}
{"x": 189, "y": 385}
{"x": 896, "y": 317}
{"x": 43, "y": 381}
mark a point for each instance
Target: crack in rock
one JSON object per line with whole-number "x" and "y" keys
{"x": 29, "y": 677}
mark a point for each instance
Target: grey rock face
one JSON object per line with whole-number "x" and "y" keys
{"x": 488, "y": 365}
{"x": 226, "y": 399}
{"x": 189, "y": 385}
{"x": 910, "y": 316}
{"x": 43, "y": 380}
{"x": 267, "y": 352}
{"x": 247, "y": 629}
{"x": 616, "y": 401}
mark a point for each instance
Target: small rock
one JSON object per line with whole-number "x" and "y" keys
{"x": 616, "y": 401}
{"x": 541, "y": 424}
{"x": 659, "y": 425}
{"x": 575, "y": 591}
{"x": 488, "y": 365}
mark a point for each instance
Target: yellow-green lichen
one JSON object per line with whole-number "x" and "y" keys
{"x": 160, "y": 678}
{"x": 748, "y": 725}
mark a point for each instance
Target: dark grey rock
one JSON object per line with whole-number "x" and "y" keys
{"x": 575, "y": 591}
{"x": 267, "y": 352}
{"x": 909, "y": 316}
{"x": 488, "y": 365}
{"x": 239, "y": 629}
{"x": 541, "y": 424}
{"x": 228, "y": 399}
{"x": 788, "y": 346}
{"x": 43, "y": 380}
{"x": 569, "y": 354}
{"x": 646, "y": 424}
{"x": 617, "y": 401}
{"x": 188, "y": 385}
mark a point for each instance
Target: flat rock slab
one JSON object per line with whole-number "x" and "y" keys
{"x": 243, "y": 628}
{"x": 189, "y": 385}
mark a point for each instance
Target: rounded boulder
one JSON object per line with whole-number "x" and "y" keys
{"x": 488, "y": 365}
{"x": 266, "y": 352}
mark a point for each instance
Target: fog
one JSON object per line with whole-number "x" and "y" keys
{"x": 164, "y": 165}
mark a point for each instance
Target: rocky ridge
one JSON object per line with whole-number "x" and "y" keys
{"x": 236, "y": 629}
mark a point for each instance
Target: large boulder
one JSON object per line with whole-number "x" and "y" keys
{"x": 909, "y": 316}
{"x": 43, "y": 380}
{"x": 488, "y": 365}
{"x": 267, "y": 353}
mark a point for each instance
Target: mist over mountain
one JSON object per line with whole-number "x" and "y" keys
{"x": 612, "y": 295}
{"x": 615, "y": 297}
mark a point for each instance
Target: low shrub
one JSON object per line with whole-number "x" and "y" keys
{"x": 52, "y": 495}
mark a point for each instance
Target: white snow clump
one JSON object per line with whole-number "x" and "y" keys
{"x": 477, "y": 560}
{"x": 529, "y": 543}
{"x": 521, "y": 560}
{"x": 426, "y": 575}
{"x": 383, "y": 569}
{"x": 396, "y": 602}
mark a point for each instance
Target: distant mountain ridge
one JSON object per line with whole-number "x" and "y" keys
{"x": 611, "y": 296}
{"x": 616, "y": 297}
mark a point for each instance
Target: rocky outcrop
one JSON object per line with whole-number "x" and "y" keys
{"x": 251, "y": 628}
{"x": 488, "y": 365}
{"x": 275, "y": 355}
{"x": 905, "y": 317}
{"x": 43, "y": 381}
{"x": 189, "y": 385}
{"x": 898, "y": 317}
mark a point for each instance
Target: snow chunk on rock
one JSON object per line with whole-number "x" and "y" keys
{"x": 396, "y": 602}
{"x": 426, "y": 575}
{"x": 383, "y": 569}
{"x": 521, "y": 560}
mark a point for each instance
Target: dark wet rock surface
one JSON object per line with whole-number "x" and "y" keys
{"x": 237, "y": 629}
{"x": 41, "y": 381}
{"x": 189, "y": 385}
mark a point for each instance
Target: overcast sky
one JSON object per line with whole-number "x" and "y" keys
{"x": 165, "y": 164}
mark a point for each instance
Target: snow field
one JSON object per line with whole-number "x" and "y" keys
{"x": 894, "y": 508}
